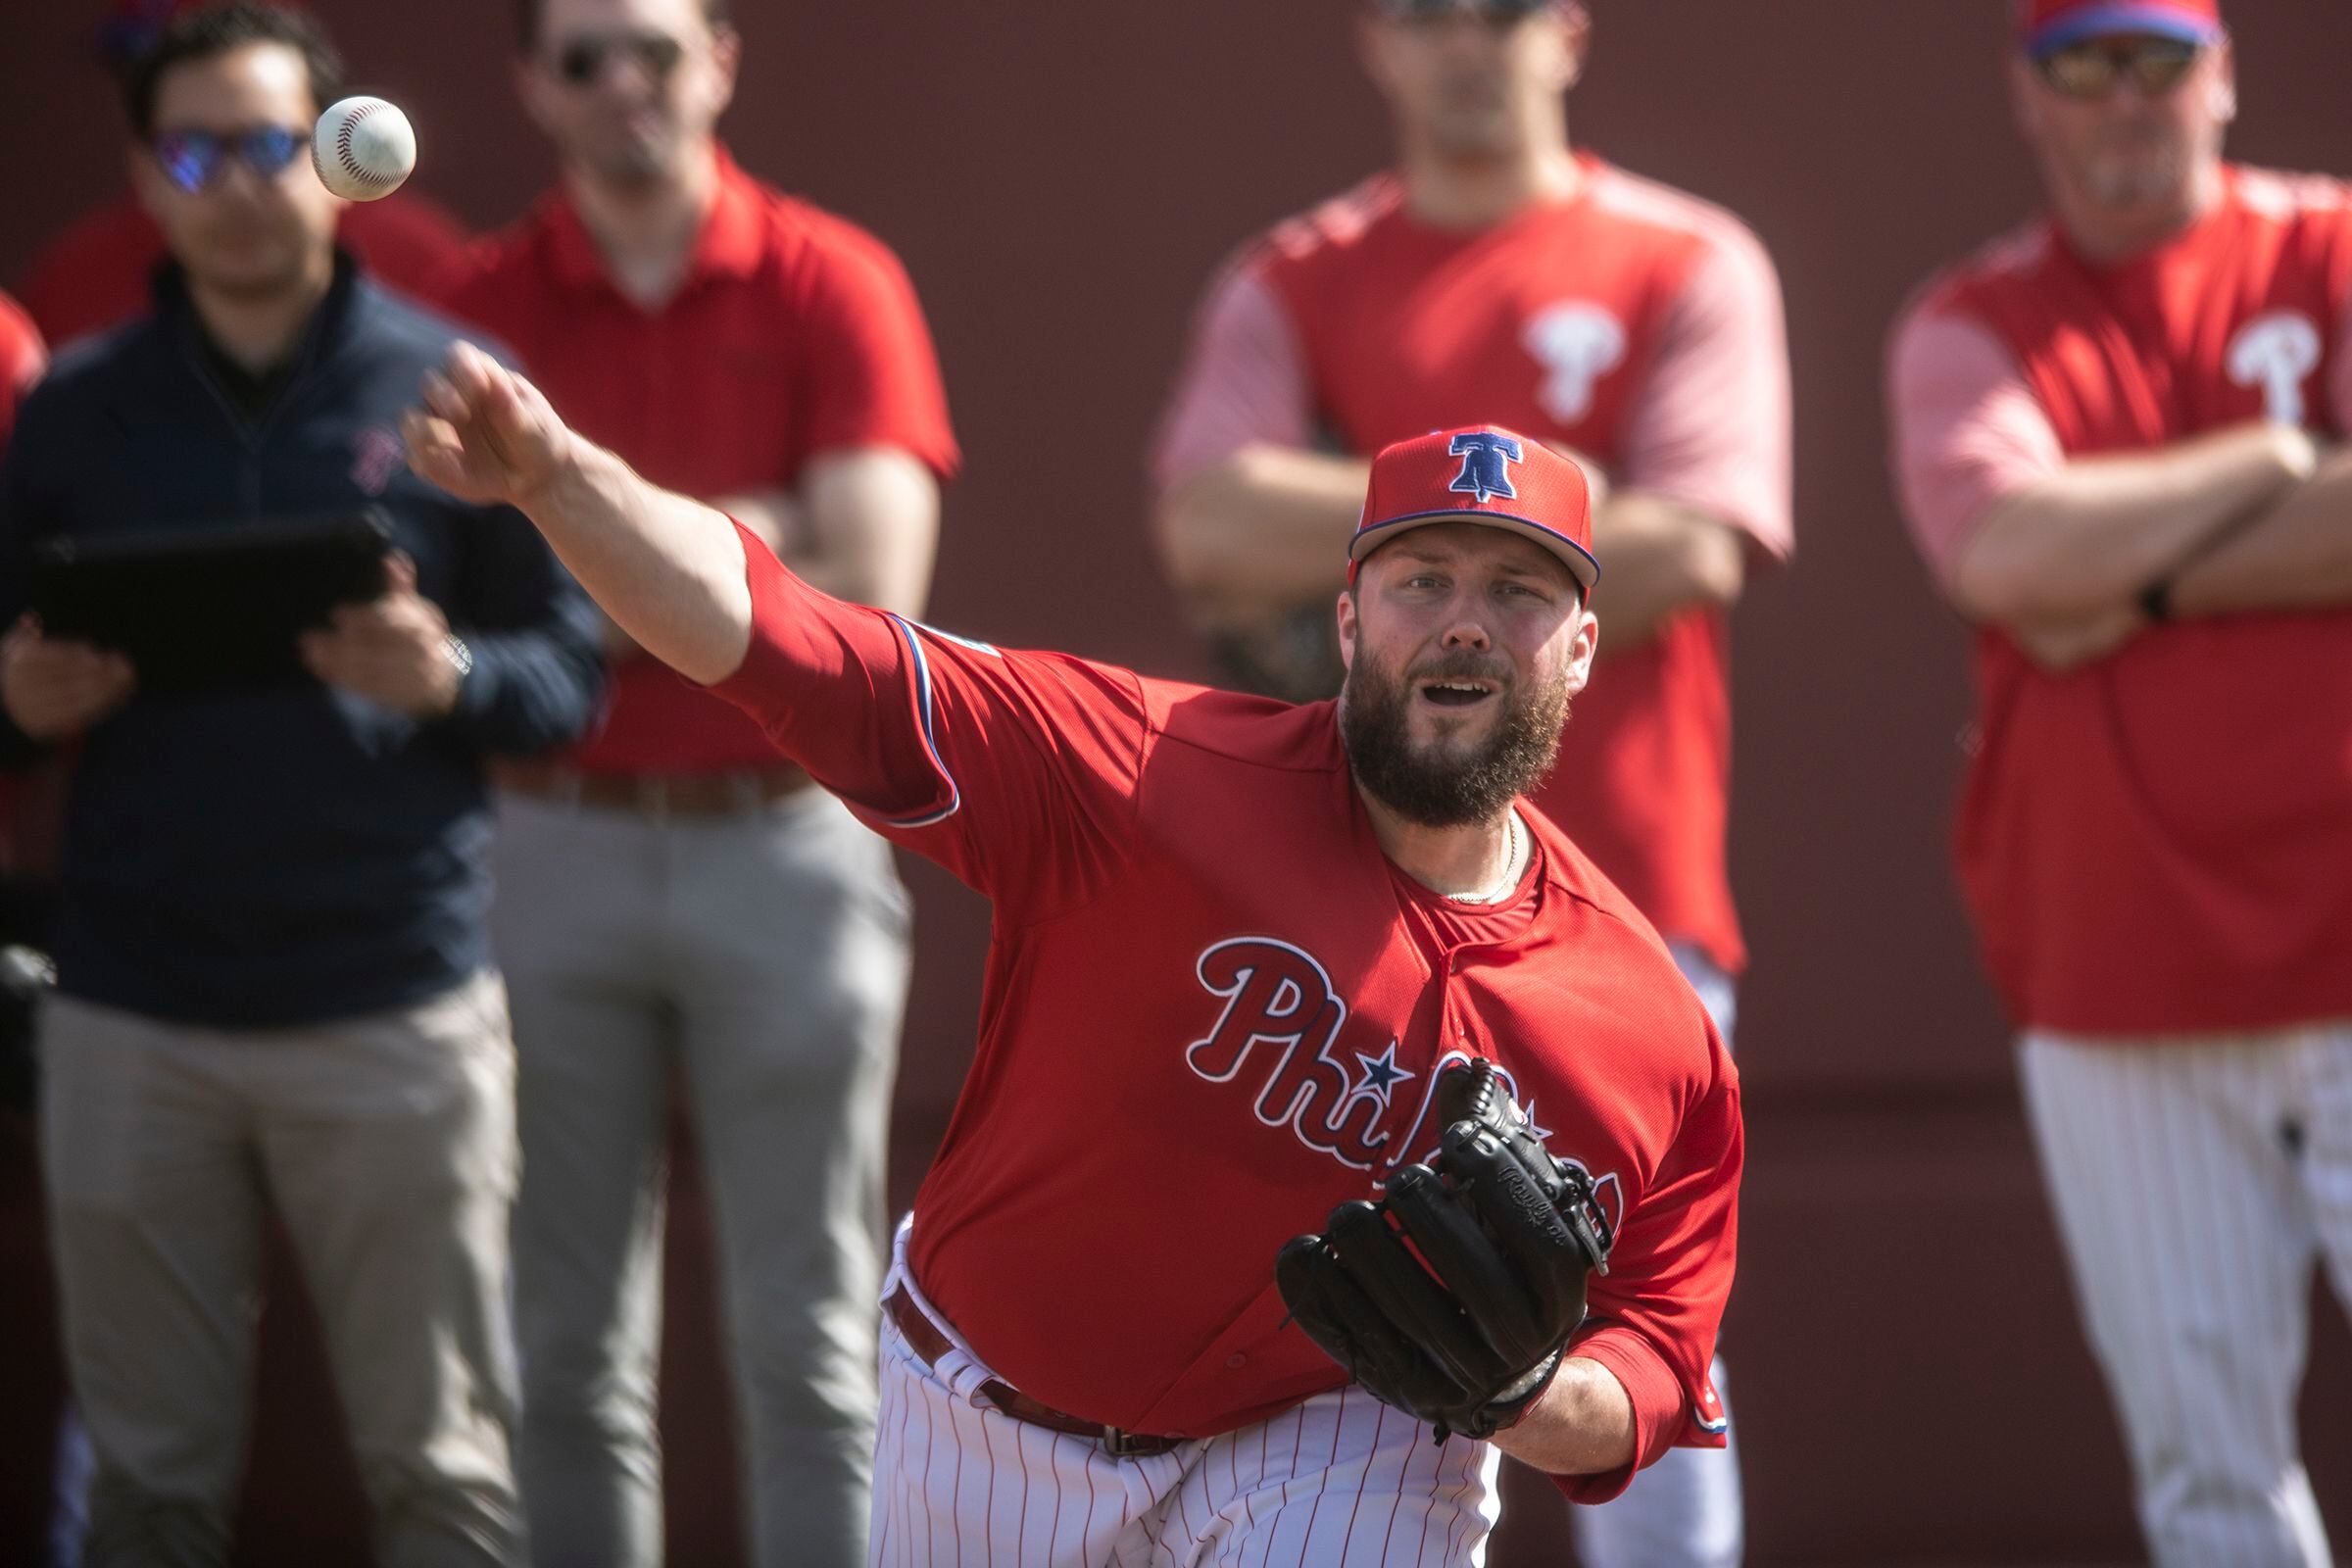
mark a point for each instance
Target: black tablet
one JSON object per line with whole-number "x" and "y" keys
{"x": 206, "y": 608}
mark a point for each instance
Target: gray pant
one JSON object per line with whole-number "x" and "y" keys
{"x": 387, "y": 1144}
{"x": 766, "y": 953}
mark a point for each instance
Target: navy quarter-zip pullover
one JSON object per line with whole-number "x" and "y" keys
{"x": 277, "y": 857}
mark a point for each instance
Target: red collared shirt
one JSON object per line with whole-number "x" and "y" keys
{"x": 98, "y": 272}
{"x": 793, "y": 333}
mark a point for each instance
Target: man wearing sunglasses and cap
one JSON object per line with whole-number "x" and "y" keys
{"x": 677, "y": 903}
{"x": 2115, "y": 433}
{"x": 274, "y": 990}
{"x": 1245, "y": 954}
{"x": 1500, "y": 273}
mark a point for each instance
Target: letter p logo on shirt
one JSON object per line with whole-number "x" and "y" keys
{"x": 2275, "y": 352}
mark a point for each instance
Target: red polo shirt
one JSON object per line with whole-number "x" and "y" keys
{"x": 793, "y": 333}
{"x": 96, "y": 272}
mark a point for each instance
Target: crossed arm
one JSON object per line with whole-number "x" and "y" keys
{"x": 2248, "y": 517}
{"x": 2245, "y": 518}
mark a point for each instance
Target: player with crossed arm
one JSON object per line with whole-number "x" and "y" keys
{"x": 1242, "y": 951}
{"x": 2107, "y": 429}
{"x": 1500, "y": 273}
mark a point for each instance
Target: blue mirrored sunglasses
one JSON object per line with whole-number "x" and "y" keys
{"x": 193, "y": 159}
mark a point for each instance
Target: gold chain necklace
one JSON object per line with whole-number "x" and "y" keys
{"x": 1510, "y": 867}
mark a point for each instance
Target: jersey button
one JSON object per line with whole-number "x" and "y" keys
{"x": 1236, "y": 1361}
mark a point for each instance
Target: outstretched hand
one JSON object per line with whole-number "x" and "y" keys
{"x": 484, "y": 433}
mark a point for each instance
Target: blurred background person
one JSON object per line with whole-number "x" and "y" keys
{"x": 274, "y": 985}
{"x": 96, "y": 272}
{"x": 676, "y": 901}
{"x": 1496, "y": 274}
{"x": 2116, "y": 432}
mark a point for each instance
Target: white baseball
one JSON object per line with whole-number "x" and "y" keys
{"x": 363, "y": 149}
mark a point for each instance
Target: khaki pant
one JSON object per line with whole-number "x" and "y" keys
{"x": 387, "y": 1145}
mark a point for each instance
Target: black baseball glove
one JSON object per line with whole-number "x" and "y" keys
{"x": 1452, "y": 1297}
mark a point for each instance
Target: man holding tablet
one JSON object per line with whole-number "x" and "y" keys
{"x": 273, "y": 980}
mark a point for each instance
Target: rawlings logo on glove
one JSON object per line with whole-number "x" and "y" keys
{"x": 1452, "y": 1297}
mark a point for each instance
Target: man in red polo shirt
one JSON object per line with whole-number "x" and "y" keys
{"x": 2117, "y": 432}
{"x": 1500, "y": 275}
{"x": 98, "y": 272}
{"x": 675, "y": 891}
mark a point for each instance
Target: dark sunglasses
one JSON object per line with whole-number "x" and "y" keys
{"x": 194, "y": 159}
{"x": 581, "y": 61}
{"x": 1499, "y": 12}
{"x": 2092, "y": 67}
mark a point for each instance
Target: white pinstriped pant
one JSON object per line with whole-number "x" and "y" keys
{"x": 2196, "y": 1182}
{"x": 1339, "y": 1481}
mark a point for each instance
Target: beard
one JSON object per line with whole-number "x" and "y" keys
{"x": 1443, "y": 785}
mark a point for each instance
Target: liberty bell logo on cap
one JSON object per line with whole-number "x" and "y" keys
{"x": 1484, "y": 474}
{"x": 1487, "y": 458}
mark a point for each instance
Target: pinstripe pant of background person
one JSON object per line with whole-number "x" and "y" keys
{"x": 2196, "y": 1182}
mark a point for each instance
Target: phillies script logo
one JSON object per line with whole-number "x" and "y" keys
{"x": 1281, "y": 1027}
{"x": 1282, "y": 1024}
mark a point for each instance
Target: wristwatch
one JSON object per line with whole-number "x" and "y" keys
{"x": 460, "y": 657}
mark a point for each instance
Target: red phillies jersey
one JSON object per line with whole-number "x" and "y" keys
{"x": 22, "y": 362}
{"x": 1210, "y": 1015}
{"x": 793, "y": 333}
{"x": 96, "y": 272}
{"x": 1561, "y": 322}
{"x": 2160, "y": 842}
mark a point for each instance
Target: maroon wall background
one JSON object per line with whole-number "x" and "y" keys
{"x": 1061, "y": 177}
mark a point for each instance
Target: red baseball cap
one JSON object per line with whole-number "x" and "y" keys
{"x": 1481, "y": 474}
{"x": 2046, "y": 25}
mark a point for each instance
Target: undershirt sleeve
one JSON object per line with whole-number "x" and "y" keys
{"x": 1967, "y": 430}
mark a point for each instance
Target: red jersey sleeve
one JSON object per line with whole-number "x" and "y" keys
{"x": 871, "y": 372}
{"x": 1710, "y": 427}
{"x": 1017, "y": 771}
{"x": 1651, "y": 1319}
{"x": 1245, "y": 380}
{"x": 1967, "y": 432}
